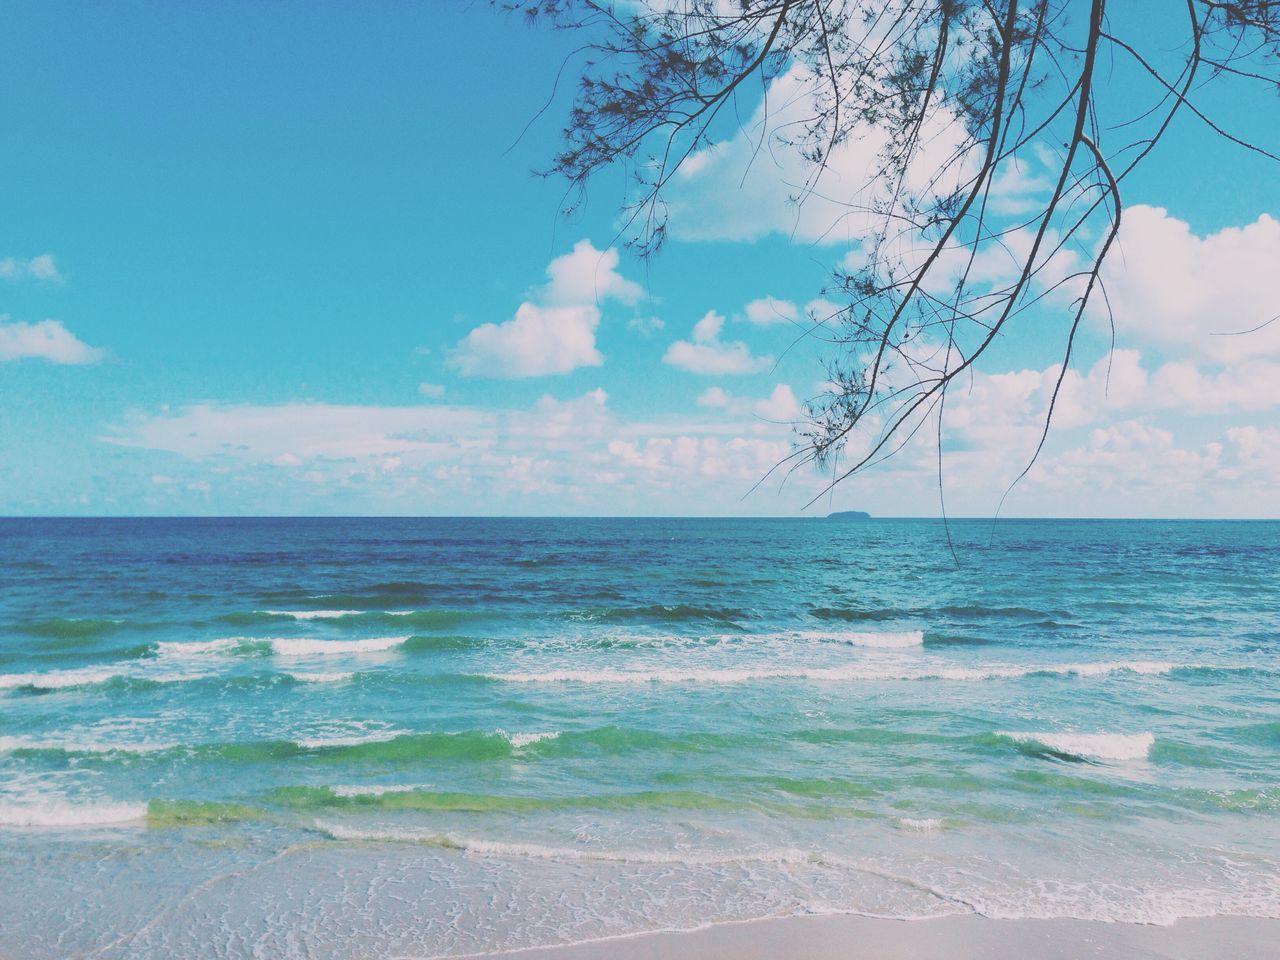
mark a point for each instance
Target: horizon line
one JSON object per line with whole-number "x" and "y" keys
{"x": 601, "y": 516}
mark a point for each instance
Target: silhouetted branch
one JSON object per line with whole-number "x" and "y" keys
{"x": 1004, "y": 86}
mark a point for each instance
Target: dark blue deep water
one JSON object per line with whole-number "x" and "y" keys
{"x": 377, "y": 738}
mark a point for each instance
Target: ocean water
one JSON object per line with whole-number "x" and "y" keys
{"x": 419, "y": 738}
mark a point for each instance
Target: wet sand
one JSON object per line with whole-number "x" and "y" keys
{"x": 945, "y": 938}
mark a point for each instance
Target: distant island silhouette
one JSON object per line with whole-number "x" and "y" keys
{"x": 849, "y": 515}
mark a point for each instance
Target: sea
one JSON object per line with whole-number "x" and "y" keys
{"x": 410, "y": 738}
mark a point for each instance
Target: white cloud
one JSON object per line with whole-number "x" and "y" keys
{"x": 670, "y": 459}
{"x": 1004, "y": 413}
{"x": 1179, "y": 291}
{"x": 555, "y": 330}
{"x": 710, "y": 356}
{"x": 539, "y": 341}
{"x": 46, "y": 340}
{"x": 1114, "y": 448}
{"x": 578, "y": 450}
{"x": 1111, "y": 453}
{"x": 1255, "y": 455}
{"x": 37, "y": 268}
{"x": 1252, "y": 385}
{"x": 1018, "y": 188}
{"x": 821, "y": 311}
{"x": 993, "y": 265}
{"x": 708, "y": 328}
{"x": 1128, "y": 455}
{"x": 743, "y": 188}
{"x": 713, "y": 397}
{"x": 715, "y": 358}
{"x": 781, "y": 406}
{"x": 294, "y": 434}
{"x": 770, "y": 310}
{"x": 432, "y": 391}
{"x": 646, "y": 325}
{"x": 586, "y": 275}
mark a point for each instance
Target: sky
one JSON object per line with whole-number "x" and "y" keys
{"x": 293, "y": 259}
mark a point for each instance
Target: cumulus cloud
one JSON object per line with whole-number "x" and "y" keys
{"x": 46, "y": 340}
{"x": 734, "y": 190}
{"x": 1252, "y": 385}
{"x": 577, "y": 448}
{"x": 538, "y": 341}
{"x": 1138, "y": 467}
{"x": 991, "y": 266}
{"x": 1256, "y": 453}
{"x": 667, "y": 460}
{"x": 580, "y": 451}
{"x": 555, "y": 330}
{"x": 1181, "y": 292}
{"x": 768, "y": 310}
{"x": 1114, "y": 448}
{"x": 713, "y": 397}
{"x": 1129, "y": 454}
{"x": 780, "y": 406}
{"x": 708, "y": 355}
{"x": 1020, "y": 186}
{"x": 586, "y": 275}
{"x": 36, "y": 268}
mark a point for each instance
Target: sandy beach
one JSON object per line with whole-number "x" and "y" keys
{"x": 944, "y": 938}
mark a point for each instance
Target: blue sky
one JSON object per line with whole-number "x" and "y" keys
{"x": 291, "y": 259}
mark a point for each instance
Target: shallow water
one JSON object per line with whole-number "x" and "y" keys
{"x": 439, "y": 737}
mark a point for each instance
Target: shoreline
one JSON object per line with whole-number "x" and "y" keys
{"x": 854, "y": 937}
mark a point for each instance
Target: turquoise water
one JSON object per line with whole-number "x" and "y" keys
{"x": 331, "y": 738}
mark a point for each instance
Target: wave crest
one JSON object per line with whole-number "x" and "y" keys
{"x": 308, "y": 647}
{"x": 853, "y": 672}
{"x": 62, "y": 814}
{"x": 1086, "y": 746}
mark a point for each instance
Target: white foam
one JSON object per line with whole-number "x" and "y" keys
{"x": 307, "y": 647}
{"x": 187, "y": 649}
{"x": 57, "y": 679}
{"x": 885, "y": 640}
{"x": 1094, "y": 746}
{"x": 889, "y": 639}
{"x": 515, "y": 850}
{"x": 320, "y": 676}
{"x": 518, "y": 740}
{"x": 1099, "y": 669}
{"x": 62, "y": 814}
{"x": 351, "y": 740}
{"x": 920, "y": 825}
{"x": 376, "y": 790}
{"x": 1159, "y": 903}
{"x": 882, "y": 639}
{"x": 1149, "y": 667}
{"x": 313, "y": 614}
{"x": 10, "y": 744}
{"x": 847, "y": 673}
{"x": 87, "y": 676}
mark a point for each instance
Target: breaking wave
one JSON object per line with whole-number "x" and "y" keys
{"x": 1085, "y": 746}
{"x": 307, "y": 647}
{"x": 856, "y": 672}
{"x": 62, "y": 814}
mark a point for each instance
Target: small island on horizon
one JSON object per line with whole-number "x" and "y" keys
{"x": 849, "y": 515}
